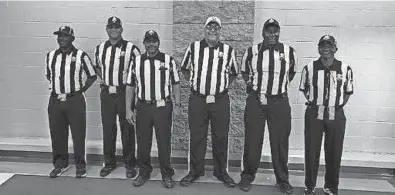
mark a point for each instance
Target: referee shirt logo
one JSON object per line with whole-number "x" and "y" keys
{"x": 73, "y": 59}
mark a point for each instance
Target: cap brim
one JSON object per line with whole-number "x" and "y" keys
{"x": 60, "y": 32}
{"x": 271, "y": 24}
{"x": 151, "y": 37}
{"x": 326, "y": 41}
{"x": 213, "y": 21}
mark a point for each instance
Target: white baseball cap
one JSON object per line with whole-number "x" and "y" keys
{"x": 213, "y": 19}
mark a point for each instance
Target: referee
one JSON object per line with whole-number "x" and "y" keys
{"x": 155, "y": 76}
{"x": 112, "y": 61}
{"x": 66, "y": 69}
{"x": 327, "y": 84}
{"x": 210, "y": 66}
{"x": 267, "y": 67}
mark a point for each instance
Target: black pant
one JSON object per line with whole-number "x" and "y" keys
{"x": 149, "y": 116}
{"x": 200, "y": 114}
{"x": 111, "y": 106}
{"x": 63, "y": 114}
{"x": 277, "y": 112}
{"x": 334, "y": 135}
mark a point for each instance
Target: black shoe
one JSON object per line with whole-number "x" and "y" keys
{"x": 188, "y": 180}
{"x": 130, "y": 172}
{"x": 245, "y": 185}
{"x": 56, "y": 172}
{"x": 328, "y": 191}
{"x": 285, "y": 187}
{"x": 140, "y": 180}
{"x": 227, "y": 180}
{"x": 106, "y": 171}
{"x": 80, "y": 173}
{"x": 168, "y": 182}
{"x": 309, "y": 192}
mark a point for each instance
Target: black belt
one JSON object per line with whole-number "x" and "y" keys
{"x": 53, "y": 94}
{"x": 311, "y": 105}
{"x": 167, "y": 99}
{"x": 282, "y": 95}
{"x": 119, "y": 88}
{"x": 218, "y": 95}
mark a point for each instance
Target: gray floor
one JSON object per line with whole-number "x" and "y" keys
{"x": 42, "y": 185}
{"x": 31, "y": 178}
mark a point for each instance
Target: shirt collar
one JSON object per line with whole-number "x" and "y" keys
{"x": 276, "y": 47}
{"x": 332, "y": 66}
{"x": 203, "y": 43}
{"x": 70, "y": 51}
{"x": 159, "y": 56}
{"x": 118, "y": 44}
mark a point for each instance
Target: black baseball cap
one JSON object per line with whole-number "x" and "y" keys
{"x": 114, "y": 21}
{"x": 327, "y": 38}
{"x": 65, "y": 30}
{"x": 271, "y": 22}
{"x": 151, "y": 34}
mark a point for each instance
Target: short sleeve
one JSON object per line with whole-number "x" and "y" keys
{"x": 174, "y": 76}
{"x": 246, "y": 61}
{"x": 87, "y": 65}
{"x": 135, "y": 52}
{"x": 187, "y": 60}
{"x": 233, "y": 64}
{"x": 131, "y": 80}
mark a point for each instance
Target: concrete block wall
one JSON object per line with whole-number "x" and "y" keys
{"x": 26, "y": 35}
{"x": 237, "y": 19}
{"x": 365, "y": 34}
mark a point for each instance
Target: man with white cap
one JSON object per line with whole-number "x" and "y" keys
{"x": 210, "y": 66}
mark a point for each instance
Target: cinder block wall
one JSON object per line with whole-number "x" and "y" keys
{"x": 237, "y": 19}
{"x": 26, "y": 35}
{"x": 366, "y": 37}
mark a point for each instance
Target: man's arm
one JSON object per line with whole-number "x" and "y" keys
{"x": 293, "y": 62}
{"x": 89, "y": 71}
{"x": 186, "y": 63}
{"x": 234, "y": 69}
{"x": 304, "y": 83}
{"x": 129, "y": 97}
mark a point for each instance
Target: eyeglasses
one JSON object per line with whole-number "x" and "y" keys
{"x": 211, "y": 27}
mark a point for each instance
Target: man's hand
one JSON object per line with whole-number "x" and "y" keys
{"x": 130, "y": 116}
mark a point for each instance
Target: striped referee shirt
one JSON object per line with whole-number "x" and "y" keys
{"x": 326, "y": 86}
{"x": 154, "y": 76}
{"x": 210, "y": 67}
{"x": 114, "y": 61}
{"x": 270, "y": 69}
{"x": 67, "y": 71}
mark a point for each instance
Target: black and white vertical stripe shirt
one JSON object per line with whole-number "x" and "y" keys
{"x": 154, "y": 76}
{"x": 270, "y": 69}
{"x": 210, "y": 67}
{"x": 114, "y": 61}
{"x": 326, "y": 86}
{"x": 67, "y": 71}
